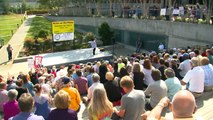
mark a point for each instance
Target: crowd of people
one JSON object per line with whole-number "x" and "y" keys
{"x": 131, "y": 87}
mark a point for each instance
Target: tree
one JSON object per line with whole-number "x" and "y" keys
{"x": 105, "y": 33}
{"x": 209, "y": 5}
{"x": 5, "y": 6}
{"x": 53, "y": 4}
{"x": 23, "y": 5}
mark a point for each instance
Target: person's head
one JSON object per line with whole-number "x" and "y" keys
{"x": 91, "y": 70}
{"x": 19, "y": 83}
{"x": 195, "y": 61}
{"x": 95, "y": 77}
{"x": 155, "y": 59}
{"x": 204, "y": 61}
{"x": 147, "y": 64}
{"x": 109, "y": 76}
{"x": 209, "y": 52}
{"x": 183, "y": 104}
{"x": 3, "y": 85}
{"x": 123, "y": 71}
{"x": 12, "y": 94}
{"x": 24, "y": 78}
{"x": 156, "y": 74}
{"x": 185, "y": 56}
{"x": 66, "y": 81}
{"x": 61, "y": 100}
{"x": 26, "y": 102}
{"x": 41, "y": 79}
{"x": 127, "y": 83}
{"x": 37, "y": 88}
{"x": 99, "y": 103}
{"x": 196, "y": 51}
{"x": 162, "y": 61}
{"x": 169, "y": 72}
{"x": 136, "y": 68}
{"x": 79, "y": 73}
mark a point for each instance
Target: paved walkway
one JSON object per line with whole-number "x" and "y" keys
{"x": 16, "y": 42}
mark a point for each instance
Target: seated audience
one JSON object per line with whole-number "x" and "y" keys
{"x": 20, "y": 89}
{"x": 96, "y": 83}
{"x": 195, "y": 78}
{"x": 3, "y": 95}
{"x": 73, "y": 93}
{"x": 155, "y": 90}
{"x": 132, "y": 103}
{"x": 173, "y": 83}
{"x": 183, "y": 106}
{"x": 138, "y": 76}
{"x": 112, "y": 89}
{"x": 41, "y": 102}
{"x": 100, "y": 108}
{"x": 11, "y": 108}
{"x": 26, "y": 103}
{"x": 62, "y": 111}
{"x": 208, "y": 71}
{"x": 81, "y": 83}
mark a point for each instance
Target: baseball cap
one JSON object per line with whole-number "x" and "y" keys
{"x": 65, "y": 80}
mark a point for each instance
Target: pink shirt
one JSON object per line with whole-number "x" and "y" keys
{"x": 10, "y": 109}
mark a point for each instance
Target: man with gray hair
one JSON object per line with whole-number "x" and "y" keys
{"x": 195, "y": 78}
{"x": 26, "y": 103}
{"x": 11, "y": 108}
{"x": 96, "y": 83}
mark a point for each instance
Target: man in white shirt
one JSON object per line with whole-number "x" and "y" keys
{"x": 195, "y": 78}
{"x": 93, "y": 45}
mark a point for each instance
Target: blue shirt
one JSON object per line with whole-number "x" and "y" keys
{"x": 89, "y": 79}
{"x": 26, "y": 116}
{"x": 208, "y": 71}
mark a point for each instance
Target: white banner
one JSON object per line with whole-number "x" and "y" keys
{"x": 30, "y": 63}
{"x": 176, "y": 12}
{"x": 163, "y": 11}
{"x": 63, "y": 37}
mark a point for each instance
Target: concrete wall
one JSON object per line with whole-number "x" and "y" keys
{"x": 179, "y": 34}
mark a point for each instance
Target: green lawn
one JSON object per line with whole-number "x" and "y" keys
{"x": 38, "y": 24}
{"x": 7, "y": 24}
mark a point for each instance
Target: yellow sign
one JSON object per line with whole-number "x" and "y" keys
{"x": 63, "y": 27}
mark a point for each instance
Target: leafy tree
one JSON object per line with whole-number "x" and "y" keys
{"x": 24, "y": 5}
{"x": 106, "y": 33}
{"x": 5, "y": 6}
{"x": 53, "y": 4}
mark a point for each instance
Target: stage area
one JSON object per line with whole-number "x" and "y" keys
{"x": 73, "y": 56}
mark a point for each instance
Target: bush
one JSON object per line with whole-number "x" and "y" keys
{"x": 43, "y": 34}
{"x": 36, "y": 12}
{"x": 106, "y": 33}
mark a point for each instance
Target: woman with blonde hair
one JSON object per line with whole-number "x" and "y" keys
{"x": 112, "y": 89}
{"x": 62, "y": 112}
{"x": 100, "y": 108}
{"x": 138, "y": 76}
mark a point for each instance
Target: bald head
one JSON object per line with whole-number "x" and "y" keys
{"x": 183, "y": 104}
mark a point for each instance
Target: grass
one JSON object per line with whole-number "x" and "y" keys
{"x": 7, "y": 24}
{"x": 39, "y": 23}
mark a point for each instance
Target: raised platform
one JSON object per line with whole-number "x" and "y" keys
{"x": 74, "y": 56}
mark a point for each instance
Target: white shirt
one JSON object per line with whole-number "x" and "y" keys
{"x": 185, "y": 66}
{"x": 195, "y": 77}
{"x": 93, "y": 44}
{"x": 92, "y": 87}
{"x": 147, "y": 76}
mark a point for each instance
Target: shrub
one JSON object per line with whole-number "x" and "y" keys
{"x": 106, "y": 33}
{"x": 43, "y": 33}
{"x": 89, "y": 36}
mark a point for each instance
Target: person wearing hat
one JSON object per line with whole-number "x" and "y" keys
{"x": 73, "y": 94}
{"x": 185, "y": 66}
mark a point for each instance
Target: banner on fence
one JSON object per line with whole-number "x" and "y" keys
{"x": 63, "y": 30}
{"x": 38, "y": 61}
